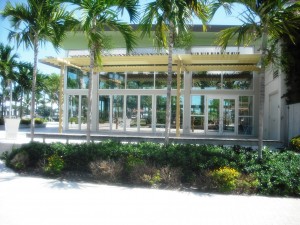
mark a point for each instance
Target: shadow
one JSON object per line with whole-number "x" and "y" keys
{"x": 64, "y": 184}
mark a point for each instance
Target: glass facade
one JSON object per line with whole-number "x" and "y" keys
{"x": 76, "y": 79}
{"x": 215, "y": 81}
{"x": 136, "y": 102}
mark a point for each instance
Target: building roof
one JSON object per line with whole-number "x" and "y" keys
{"x": 158, "y": 62}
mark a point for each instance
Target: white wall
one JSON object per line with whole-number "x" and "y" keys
{"x": 293, "y": 120}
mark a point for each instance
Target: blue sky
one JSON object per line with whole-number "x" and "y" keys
{"x": 27, "y": 54}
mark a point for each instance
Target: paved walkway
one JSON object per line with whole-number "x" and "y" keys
{"x": 39, "y": 201}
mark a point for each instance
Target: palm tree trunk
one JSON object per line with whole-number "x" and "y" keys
{"x": 169, "y": 88}
{"x": 32, "y": 111}
{"x": 21, "y": 104}
{"x": 262, "y": 94}
{"x": 90, "y": 97}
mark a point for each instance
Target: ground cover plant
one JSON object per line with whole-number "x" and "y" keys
{"x": 204, "y": 167}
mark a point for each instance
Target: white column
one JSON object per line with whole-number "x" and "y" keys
{"x": 186, "y": 123}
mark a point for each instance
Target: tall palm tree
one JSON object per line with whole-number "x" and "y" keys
{"x": 268, "y": 21}
{"x": 172, "y": 18}
{"x": 98, "y": 16}
{"x": 33, "y": 24}
{"x": 7, "y": 65}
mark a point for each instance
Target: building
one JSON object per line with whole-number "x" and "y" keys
{"x": 217, "y": 91}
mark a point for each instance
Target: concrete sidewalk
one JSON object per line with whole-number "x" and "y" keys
{"x": 39, "y": 201}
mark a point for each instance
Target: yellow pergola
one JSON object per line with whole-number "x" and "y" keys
{"x": 158, "y": 62}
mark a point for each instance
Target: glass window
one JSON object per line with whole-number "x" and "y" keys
{"x": 73, "y": 111}
{"x": 140, "y": 80}
{"x": 161, "y": 79}
{"x": 76, "y": 79}
{"x": 118, "y": 105}
{"x": 203, "y": 80}
{"x": 104, "y": 112}
{"x": 146, "y": 113}
{"x": 240, "y": 81}
{"x": 112, "y": 81}
{"x": 131, "y": 112}
{"x": 197, "y": 113}
{"x": 245, "y": 115}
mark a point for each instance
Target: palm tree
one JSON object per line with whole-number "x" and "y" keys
{"x": 23, "y": 79}
{"x": 172, "y": 19}
{"x": 97, "y": 16}
{"x": 7, "y": 65}
{"x": 33, "y": 24}
{"x": 267, "y": 21}
{"x": 52, "y": 90}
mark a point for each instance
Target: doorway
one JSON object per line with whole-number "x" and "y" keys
{"x": 221, "y": 116}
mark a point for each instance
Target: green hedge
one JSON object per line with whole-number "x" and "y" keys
{"x": 277, "y": 174}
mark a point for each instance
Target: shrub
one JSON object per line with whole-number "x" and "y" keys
{"x": 106, "y": 170}
{"x": 144, "y": 174}
{"x": 25, "y": 121}
{"x": 295, "y": 143}
{"x": 20, "y": 161}
{"x": 225, "y": 178}
{"x": 38, "y": 121}
{"x": 170, "y": 177}
{"x": 1, "y": 121}
{"x": 54, "y": 166}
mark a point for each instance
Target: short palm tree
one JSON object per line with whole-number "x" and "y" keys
{"x": 33, "y": 24}
{"x": 172, "y": 18}
{"x": 267, "y": 21}
{"x": 98, "y": 16}
{"x": 8, "y": 64}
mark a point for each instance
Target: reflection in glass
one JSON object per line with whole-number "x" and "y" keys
{"x": 229, "y": 115}
{"x": 131, "y": 112}
{"x": 213, "y": 114}
{"x": 117, "y": 120}
{"x": 146, "y": 113}
{"x": 84, "y": 106}
{"x": 76, "y": 79}
{"x": 202, "y": 80}
{"x": 161, "y": 102}
{"x": 140, "y": 80}
{"x": 161, "y": 79}
{"x": 197, "y": 113}
{"x": 112, "y": 81}
{"x": 73, "y": 106}
{"x": 104, "y": 111}
{"x": 245, "y": 115}
{"x": 245, "y": 125}
{"x": 240, "y": 81}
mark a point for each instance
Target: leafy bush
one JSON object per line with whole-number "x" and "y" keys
{"x": 295, "y": 143}
{"x": 55, "y": 164}
{"x": 28, "y": 121}
{"x": 38, "y": 121}
{"x": 174, "y": 165}
{"x": 225, "y": 178}
{"x": 25, "y": 121}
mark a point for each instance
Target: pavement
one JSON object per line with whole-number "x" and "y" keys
{"x": 26, "y": 200}
{"x": 38, "y": 201}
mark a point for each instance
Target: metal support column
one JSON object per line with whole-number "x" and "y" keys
{"x": 61, "y": 98}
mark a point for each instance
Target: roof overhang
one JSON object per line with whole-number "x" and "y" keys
{"x": 153, "y": 62}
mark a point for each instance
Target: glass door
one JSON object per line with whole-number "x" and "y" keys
{"x": 221, "y": 115}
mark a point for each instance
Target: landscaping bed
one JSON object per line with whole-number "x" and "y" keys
{"x": 201, "y": 167}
